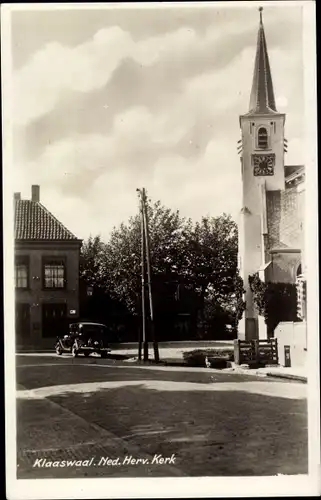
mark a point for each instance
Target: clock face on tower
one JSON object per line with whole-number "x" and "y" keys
{"x": 263, "y": 164}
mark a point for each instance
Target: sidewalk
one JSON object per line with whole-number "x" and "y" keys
{"x": 168, "y": 353}
{"x": 175, "y": 355}
{"x": 291, "y": 373}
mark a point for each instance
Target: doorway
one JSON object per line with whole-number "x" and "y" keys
{"x": 54, "y": 319}
{"x": 22, "y": 323}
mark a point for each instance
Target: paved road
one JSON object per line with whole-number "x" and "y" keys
{"x": 106, "y": 418}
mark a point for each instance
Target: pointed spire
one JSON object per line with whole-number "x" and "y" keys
{"x": 262, "y": 95}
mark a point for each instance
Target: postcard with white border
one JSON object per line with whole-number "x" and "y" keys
{"x": 160, "y": 249}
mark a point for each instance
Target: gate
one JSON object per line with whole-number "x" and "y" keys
{"x": 261, "y": 352}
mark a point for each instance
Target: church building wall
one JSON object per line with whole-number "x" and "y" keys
{"x": 284, "y": 267}
{"x": 284, "y": 218}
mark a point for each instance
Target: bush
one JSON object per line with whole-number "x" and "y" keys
{"x": 198, "y": 357}
{"x": 274, "y": 301}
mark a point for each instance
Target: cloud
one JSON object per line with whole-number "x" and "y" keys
{"x": 95, "y": 192}
{"x": 170, "y": 123}
{"x": 68, "y": 88}
{"x": 56, "y": 68}
{"x": 185, "y": 154}
{"x": 209, "y": 186}
{"x": 86, "y": 67}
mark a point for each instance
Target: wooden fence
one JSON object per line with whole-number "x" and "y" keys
{"x": 252, "y": 352}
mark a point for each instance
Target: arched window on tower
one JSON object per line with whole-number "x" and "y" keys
{"x": 262, "y": 138}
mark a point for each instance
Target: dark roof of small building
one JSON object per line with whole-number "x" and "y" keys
{"x": 293, "y": 169}
{"x": 32, "y": 221}
{"x": 294, "y": 173}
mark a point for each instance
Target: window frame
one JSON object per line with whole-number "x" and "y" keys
{"x": 22, "y": 261}
{"x": 266, "y": 144}
{"x": 54, "y": 261}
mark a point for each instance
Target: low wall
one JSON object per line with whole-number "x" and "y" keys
{"x": 292, "y": 334}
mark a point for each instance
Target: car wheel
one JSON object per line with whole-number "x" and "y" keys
{"x": 86, "y": 354}
{"x": 74, "y": 351}
{"x": 58, "y": 350}
{"x": 103, "y": 354}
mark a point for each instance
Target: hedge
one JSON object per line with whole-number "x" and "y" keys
{"x": 198, "y": 357}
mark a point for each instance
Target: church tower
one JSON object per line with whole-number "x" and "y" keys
{"x": 262, "y": 162}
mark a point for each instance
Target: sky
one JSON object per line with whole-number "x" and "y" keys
{"x": 110, "y": 100}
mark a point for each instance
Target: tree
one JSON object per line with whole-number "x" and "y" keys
{"x": 91, "y": 262}
{"x": 100, "y": 306}
{"x": 211, "y": 265}
{"x": 122, "y": 259}
{"x": 274, "y": 301}
{"x": 194, "y": 268}
{"x": 222, "y": 314}
{"x": 211, "y": 259}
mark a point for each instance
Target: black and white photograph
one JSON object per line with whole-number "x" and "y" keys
{"x": 160, "y": 249}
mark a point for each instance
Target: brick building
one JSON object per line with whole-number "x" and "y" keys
{"x": 46, "y": 273}
{"x": 271, "y": 226}
{"x": 285, "y": 227}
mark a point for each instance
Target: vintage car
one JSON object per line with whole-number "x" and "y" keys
{"x": 84, "y": 338}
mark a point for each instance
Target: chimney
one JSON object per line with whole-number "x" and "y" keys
{"x": 35, "y": 193}
{"x": 17, "y": 196}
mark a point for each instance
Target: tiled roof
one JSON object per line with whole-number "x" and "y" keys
{"x": 34, "y": 222}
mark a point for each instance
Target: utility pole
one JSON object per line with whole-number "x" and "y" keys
{"x": 145, "y": 219}
{"x": 142, "y": 328}
{"x": 142, "y": 333}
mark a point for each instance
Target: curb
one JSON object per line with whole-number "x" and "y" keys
{"x": 288, "y": 376}
{"x": 272, "y": 374}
